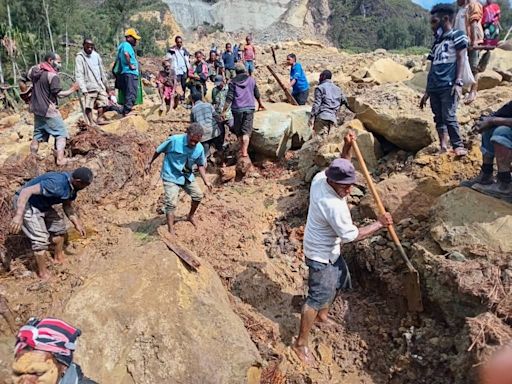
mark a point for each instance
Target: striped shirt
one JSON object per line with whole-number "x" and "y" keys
{"x": 204, "y": 114}
{"x": 443, "y": 55}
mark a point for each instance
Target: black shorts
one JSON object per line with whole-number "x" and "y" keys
{"x": 243, "y": 123}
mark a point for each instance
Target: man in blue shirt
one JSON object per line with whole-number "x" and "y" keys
{"x": 182, "y": 153}
{"x": 444, "y": 82}
{"x": 38, "y": 219}
{"x": 128, "y": 70}
{"x": 298, "y": 81}
{"x": 229, "y": 58}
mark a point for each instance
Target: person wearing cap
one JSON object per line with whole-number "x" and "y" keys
{"x": 129, "y": 70}
{"x": 219, "y": 95}
{"x": 329, "y": 226}
{"x": 241, "y": 95}
{"x": 43, "y": 354}
{"x": 35, "y": 214}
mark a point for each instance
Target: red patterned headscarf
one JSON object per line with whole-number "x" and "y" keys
{"x": 49, "y": 335}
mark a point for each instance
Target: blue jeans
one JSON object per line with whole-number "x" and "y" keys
{"x": 324, "y": 281}
{"x": 130, "y": 87}
{"x": 249, "y": 66}
{"x": 500, "y": 135}
{"x": 444, "y": 107}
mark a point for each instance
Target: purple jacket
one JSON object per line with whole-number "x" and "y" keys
{"x": 242, "y": 92}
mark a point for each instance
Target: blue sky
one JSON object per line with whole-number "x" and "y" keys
{"x": 429, "y": 3}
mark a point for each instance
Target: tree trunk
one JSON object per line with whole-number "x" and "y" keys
{"x": 45, "y": 6}
{"x": 67, "y": 47}
{"x": 11, "y": 53}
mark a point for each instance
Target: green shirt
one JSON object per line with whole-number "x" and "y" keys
{"x": 219, "y": 100}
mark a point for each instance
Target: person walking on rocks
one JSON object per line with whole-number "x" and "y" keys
{"x": 128, "y": 71}
{"x": 469, "y": 20}
{"x": 182, "y": 64}
{"x": 241, "y": 95}
{"x": 198, "y": 75}
{"x": 249, "y": 56}
{"x": 219, "y": 97}
{"x": 182, "y": 153}
{"x": 230, "y": 59}
{"x": 298, "y": 80}
{"x": 496, "y": 133}
{"x": 204, "y": 114}
{"x": 43, "y": 353}
{"x": 38, "y": 219}
{"x": 91, "y": 78}
{"x": 46, "y": 90}
{"x": 329, "y": 226}
{"x": 167, "y": 84}
{"x": 328, "y": 100}
{"x": 444, "y": 82}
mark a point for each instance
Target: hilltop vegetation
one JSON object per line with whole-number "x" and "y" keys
{"x": 71, "y": 21}
{"x": 390, "y": 24}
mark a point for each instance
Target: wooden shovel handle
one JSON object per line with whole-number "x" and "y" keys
{"x": 376, "y": 196}
{"x": 380, "y": 206}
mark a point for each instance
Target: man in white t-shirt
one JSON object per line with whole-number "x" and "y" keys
{"x": 329, "y": 226}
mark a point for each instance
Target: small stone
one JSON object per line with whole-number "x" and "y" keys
{"x": 456, "y": 256}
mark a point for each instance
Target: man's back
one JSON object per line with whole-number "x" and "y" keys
{"x": 55, "y": 189}
{"x": 203, "y": 113}
{"x": 243, "y": 88}
{"x": 328, "y": 100}
{"x": 46, "y": 87}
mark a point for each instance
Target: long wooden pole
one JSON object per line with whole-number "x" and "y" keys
{"x": 289, "y": 96}
{"x": 45, "y": 6}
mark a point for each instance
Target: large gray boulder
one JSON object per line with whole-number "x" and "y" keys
{"x": 275, "y": 128}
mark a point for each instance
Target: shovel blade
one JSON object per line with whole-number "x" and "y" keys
{"x": 413, "y": 291}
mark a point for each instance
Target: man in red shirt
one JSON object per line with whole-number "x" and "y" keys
{"x": 249, "y": 55}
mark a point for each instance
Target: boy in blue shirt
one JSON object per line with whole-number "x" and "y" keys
{"x": 298, "y": 81}
{"x": 128, "y": 78}
{"x": 444, "y": 82}
{"x": 182, "y": 153}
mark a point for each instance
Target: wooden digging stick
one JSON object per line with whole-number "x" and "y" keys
{"x": 289, "y": 96}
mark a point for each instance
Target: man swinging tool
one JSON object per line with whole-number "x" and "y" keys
{"x": 328, "y": 226}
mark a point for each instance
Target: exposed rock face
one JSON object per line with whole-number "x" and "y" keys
{"x": 472, "y": 223}
{"x": 391, "y": 111}
{"x": 404, "y": 197}
{"x": 275, "y": 127}
{"x": 388, "y": 71}
{"x": 127, "y": 124}
{"x": 258, "y": 14}
{"x": 149, "y": 320}
{"x": 316, "y": 155}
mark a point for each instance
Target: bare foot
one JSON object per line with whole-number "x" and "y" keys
{"x": 171, "y": 231}
{"x": 60, "y": 260}
{"x": 44, "y": 276}
{"x": 192, "y": 220}
{"x": 304, "y": 355}
{"x": 325, "y": 322}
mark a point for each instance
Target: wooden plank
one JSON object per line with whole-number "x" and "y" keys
{"x": 184, "y": 254}
{"x": 289, "y": 96}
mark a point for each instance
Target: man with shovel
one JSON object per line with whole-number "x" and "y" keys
{"x": 329, "y": 226}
